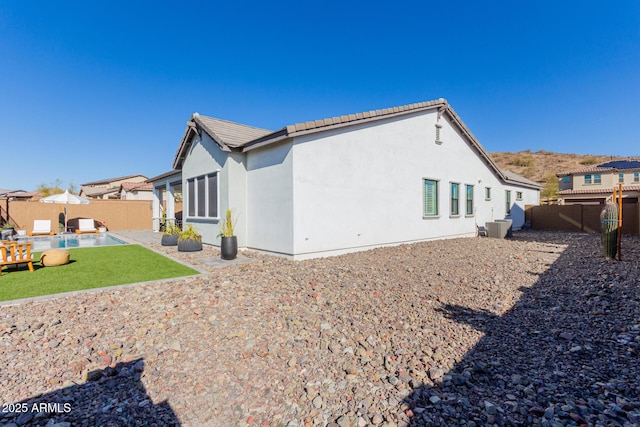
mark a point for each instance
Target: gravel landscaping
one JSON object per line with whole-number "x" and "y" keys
{"x": 535, "y": 330}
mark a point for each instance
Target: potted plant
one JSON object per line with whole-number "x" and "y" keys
{"x": 170, "y": 235}
{"x": 189, "y": 240}
{"x": 229, "y": 242}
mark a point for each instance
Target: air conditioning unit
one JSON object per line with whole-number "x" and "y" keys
{"x": 498, "y": 229}
{"x": 509, "y": 226}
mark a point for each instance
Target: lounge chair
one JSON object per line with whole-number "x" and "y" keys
{"x": 41, "y": 226}
{"x": 86, "y": 226}
{"x": 16, "y": 254}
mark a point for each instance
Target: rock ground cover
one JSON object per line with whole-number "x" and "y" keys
{"x": 535, "y": 330}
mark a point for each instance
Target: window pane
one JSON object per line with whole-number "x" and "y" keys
{"x": 487, "y": 193}
{"x": 430, "y": 197}
{"x": 508, "y": 201}
{"x": 597, "y": 178}
{"x": 587, "y": 179}
{"x": 454, "y": 199}
{"x": 620, "y": 177}
{"x": 213, "y": 195}
{"x": 201, "y": 195}
{"x": 469, "y": 199}
{"x": 191, "y": 194}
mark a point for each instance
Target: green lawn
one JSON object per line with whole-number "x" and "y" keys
{"x": 90, "y": 268}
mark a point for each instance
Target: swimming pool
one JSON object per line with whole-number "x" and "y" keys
{"x": 71, "y": 241}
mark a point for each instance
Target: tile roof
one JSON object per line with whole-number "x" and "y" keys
{"x": 237, "y": 137}
{"x": 229, "y": 133}
{"x": 601, "y": 190}
{"x": 97, "y": 191}
{"x": 107, "y": 181}
{"x": 130, "y": 186}
{"x": 520, "y": 179}
{"x": 612, "y": 166}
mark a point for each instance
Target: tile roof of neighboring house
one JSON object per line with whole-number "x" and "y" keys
{"x": 98, "y": 191}
{"x": 248, "y": 137}
{"x": 107, "y": 181}
{"x": 601, "y": 190}
{"x": 5, "y": 191}
{"x": 21, "y": 194}
{"x": 130, "y": 186}
{"x": 612, "y": 166}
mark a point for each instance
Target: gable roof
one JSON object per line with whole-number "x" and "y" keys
{"x": 228, "y": 135}
{"x": 232, "y": 136}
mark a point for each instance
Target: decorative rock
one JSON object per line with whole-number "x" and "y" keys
{"x": 385, "y": 342}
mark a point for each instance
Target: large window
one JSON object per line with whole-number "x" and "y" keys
{"x": 430, "y": 190}
{"x": 507, "y": 198}
{"x": 455, "y": 198}
{"x": 202, "y": 196}
{"x": 469, "y": 205}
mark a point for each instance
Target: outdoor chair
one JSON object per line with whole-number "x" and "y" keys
{"x": 41, "y": 226}
{"x": 86, "y": 225}
{"x": 16, "y": 254}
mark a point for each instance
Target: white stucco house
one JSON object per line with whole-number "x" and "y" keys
{"x": 343, "y": 184}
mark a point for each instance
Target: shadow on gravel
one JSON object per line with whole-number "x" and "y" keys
{"x": 110, "y": 397}
{"x": 566, "y": 354}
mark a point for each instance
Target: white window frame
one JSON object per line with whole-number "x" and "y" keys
{"x": 451, "y": 213}
{"x": 597, "y": 178}
{"x": 207, "y": 201}
{"x": 469, "y": 212}
{"x": 487, "y": 193}
{"x": 636, "y": 177}
{"x": 518, "y": 195}
{"x": 424, "y": 198}
{"x": 507, "y": 202}
{"x": 588, "y": 179}
{"x": 621, "y": 178}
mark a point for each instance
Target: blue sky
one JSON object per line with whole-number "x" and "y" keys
{"x": 93, "y": 90}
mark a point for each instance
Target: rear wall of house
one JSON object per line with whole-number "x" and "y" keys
{"x": 362, "y": 186}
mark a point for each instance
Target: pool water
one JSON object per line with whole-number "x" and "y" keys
{"x": 71, "y": 241}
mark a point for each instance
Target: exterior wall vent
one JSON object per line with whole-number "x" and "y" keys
{"x": 438, "y": 127}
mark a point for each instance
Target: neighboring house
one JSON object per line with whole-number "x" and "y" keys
{"x": 344, "y": 184}
{"x": 594, "y": 184}
{"x": 20, "y": 194}
{"x": 135, "y": 191}
{"x": 108, "y": 188}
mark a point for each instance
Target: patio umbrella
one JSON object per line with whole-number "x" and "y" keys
{"x": 65, "y": 198}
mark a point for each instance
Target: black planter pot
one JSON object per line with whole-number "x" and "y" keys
{"x": 189, "y": 245}
{"x": 229, "y": 248}
{"x": 169, "y": 240}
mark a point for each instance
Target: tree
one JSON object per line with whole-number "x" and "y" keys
{"x": 551, "y": 187}
{"x": 54, "y": 188}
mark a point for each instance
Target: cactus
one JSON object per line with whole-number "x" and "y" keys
{"x": 609, "y": 229}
